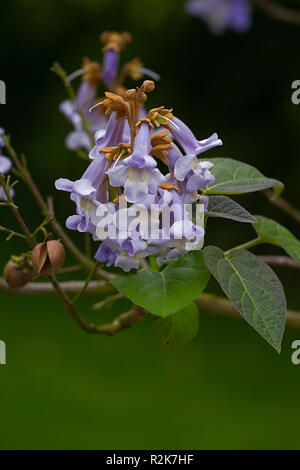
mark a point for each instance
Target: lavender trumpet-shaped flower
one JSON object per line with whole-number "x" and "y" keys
{"x": 186, "y": 139}
{"x": 113, "y": 135}
{"x": 195, "y": 173}
{"x": 77, "y": 111}
{"x": 5, "y": 165}
{"x": 178, "y": 233}
{"x": 125, "y": 254}
{"x": 114, "y": 43}
{"x": 222, "y": 14}
{"x": 87, "y": 193}
{"x": 137, "y": 173}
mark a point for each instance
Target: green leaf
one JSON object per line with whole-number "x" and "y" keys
{"x": 179, "y": 328}
{"x": 254, "y": 289}
{"x": 223, "y": 206}
{"x": 165, "y": 292}
{"x": 274, "y": 233}
{"x": 234, "y": 177}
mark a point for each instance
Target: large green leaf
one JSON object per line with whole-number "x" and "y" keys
{"x": 234, "y": 177}
{"x": 272, "y": 232}
{"x": 179, "y": 328}
{"x": 165, "y": 292}
{"x": 254, "y": 289}
{"x": 223, "y": 206}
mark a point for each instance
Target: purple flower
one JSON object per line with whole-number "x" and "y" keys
{"x": 131, "y": 254}
{"x": 181, "y": 235}
{"x": 125, "y": 254}
{"x": 186, "y": 139}
{"x": 77, "y": 111}
{"x": 108, "y": 252}
{"x": 137, "y": 173}
{"x": 186, "y": 168}
{"x": 87, "y": 193}
{"x": 151, "y": 212}
{"x": 110, "y": 66}
{"x": 222, "y": 14}
{"x": 114, "y": 135}
{"x": 195, "y": 173}
{"x": 114, "y": 43}
{"x": 5, "y": 165}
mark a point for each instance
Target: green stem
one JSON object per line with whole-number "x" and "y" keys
{"x": 245, "y": 246}
{"x": 284, "y": 205}
{"x": 87, "y": 243}
{"x": 16, "y": 213}
{"x": 87, "y": 281}
{"x": 11, "y": 233}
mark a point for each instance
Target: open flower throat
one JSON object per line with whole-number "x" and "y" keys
{"x": 135, "y": 196}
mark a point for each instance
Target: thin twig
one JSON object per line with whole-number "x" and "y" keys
{"x": 279, "y": 12}
{"x": 69, "y": 269}
{"x": 14, "y": 209}
{"x": 107, "y": 302}
{"x": 207, "y": 302}
{"x": 283, "y": 261}
{"x": 86, "y": 283}
{"x": 284, "y": 205}
{"x": 123, "y": 321}
{"x": 11, "y": 233}
{"x": 220, "y": 306}
{"x": 70, "y": 287}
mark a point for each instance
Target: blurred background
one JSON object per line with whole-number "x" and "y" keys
{"x": 63, "y": 389}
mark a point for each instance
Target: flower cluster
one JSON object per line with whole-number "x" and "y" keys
{"x": 145, "y": 163}
{"x": 5, "y": 163}
{"x": 222, "y": 14}
{"x": 88, "y": 125}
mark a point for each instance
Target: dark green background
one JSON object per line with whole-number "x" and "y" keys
{"x": 227, "y": 389}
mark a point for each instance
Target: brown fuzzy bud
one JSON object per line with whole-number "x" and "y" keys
{"x": 130, "y": 94}
{"x": 48, "y": 255}
{"x": 148, "y": 86}
{"x": 16, "y": 275}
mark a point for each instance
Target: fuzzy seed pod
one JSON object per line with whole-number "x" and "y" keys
{"x": 48, "y": 255}
{"x": 15, "y": 275}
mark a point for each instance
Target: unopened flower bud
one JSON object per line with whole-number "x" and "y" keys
{"x": 148, "y": 86}
{"x": 17, "y": 275}
{"x": 48, "y": 255}
{"x": 130, "y": 94}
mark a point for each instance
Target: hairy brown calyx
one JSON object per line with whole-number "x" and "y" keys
{"x": 116, "y": 153}
{"x": 118, "y": 104}
{"x": 160, "y": 145}
{"x": 115, "y": 40}
{"x": 159, "y": 116}
{"x": 92, "y": 72}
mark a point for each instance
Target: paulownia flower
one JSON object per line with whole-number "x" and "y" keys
{"x": 137, "y": 173}
{"x": 149, "y": 161}
{"x": 222, "y": 14}
{"x": 5, "y": 165}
